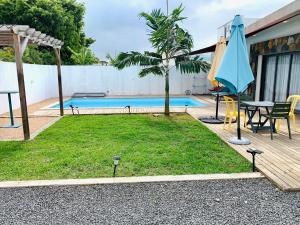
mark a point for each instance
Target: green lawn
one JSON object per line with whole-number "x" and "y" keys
{"x": 83, "y": 146}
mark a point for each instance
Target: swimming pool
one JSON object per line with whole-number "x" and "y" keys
{"x": 132, "y": 102}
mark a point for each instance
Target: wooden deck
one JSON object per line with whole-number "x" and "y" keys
{"x": 280, "y": 161}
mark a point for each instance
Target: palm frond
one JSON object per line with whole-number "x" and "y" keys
{"x": 194, "y": 65}
{"x": 175, "y": 15}
{"x": 182, "y": 42}
{"x": 153, "y": 54}
{"x": 156, "y": 70}
{"x": 154, "y": 19}
{"x": 169, "y": 37}
{"x": 125, "y": 59}
{"x": 157, "y": 13}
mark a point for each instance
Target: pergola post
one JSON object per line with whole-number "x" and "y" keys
{"x": 20, "y": 36}
{"x": 19, "y": 50}
{"x": 60, "y": 92}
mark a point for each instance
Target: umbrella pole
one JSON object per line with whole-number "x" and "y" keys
{"x": 214, "y": 119}
{"x": 239, "y": 118}
{"x": 217, "y": 106}
{"x": 239, "y": 140}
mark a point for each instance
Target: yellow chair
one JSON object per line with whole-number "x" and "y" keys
{"x": 294, "y": 100}
{"x": 231, "y": 111}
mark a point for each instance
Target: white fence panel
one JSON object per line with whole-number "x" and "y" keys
{"x": 125, "y": 82}
{"x": 41, "y": 82}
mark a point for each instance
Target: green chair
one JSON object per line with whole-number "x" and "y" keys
{"x": 280, "y": 110}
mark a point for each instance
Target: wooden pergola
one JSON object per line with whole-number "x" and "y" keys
{"x": 18, "y": 37}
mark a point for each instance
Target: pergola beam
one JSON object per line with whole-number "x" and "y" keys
{"x": 27, "y": 32}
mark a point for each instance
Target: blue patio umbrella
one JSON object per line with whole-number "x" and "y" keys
{"x": 235, "y": 71}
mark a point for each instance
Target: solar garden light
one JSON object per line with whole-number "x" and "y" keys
{"x": 73, "y": 108}
{"x": 253, "y": 152}
{"x": 128, "y": 106}
{"x": 116, "y": 160}
{"x": 186, "y": 108}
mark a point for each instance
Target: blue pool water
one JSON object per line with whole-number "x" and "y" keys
{"x": 133, "y": 102}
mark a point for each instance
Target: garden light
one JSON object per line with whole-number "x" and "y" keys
{"x": 73, "y": 108}
{"x": 253, "y": 152}
{"x": 116, "y": 160}
{"x": 128, "y": 106}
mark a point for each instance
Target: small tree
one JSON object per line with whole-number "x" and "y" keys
{"x": 171, "y": 42}
{"x": 84, "y": 56}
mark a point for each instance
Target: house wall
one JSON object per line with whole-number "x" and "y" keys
{"x": 291, "y": 27}
{"x": 279, "y": 30}
{"x": 41, "y": 82}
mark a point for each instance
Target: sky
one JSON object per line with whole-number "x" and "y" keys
{"x": 117, "y": 28}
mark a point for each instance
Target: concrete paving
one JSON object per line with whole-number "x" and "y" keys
{"x": 245, "y": 201}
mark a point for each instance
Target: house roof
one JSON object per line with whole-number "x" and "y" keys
{"x": 285, "y": 13}
{"x": 33, "y": 36}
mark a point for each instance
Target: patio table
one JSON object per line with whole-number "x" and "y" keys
{"x": 253, "y": 107}
{"x": 11, "y": 115}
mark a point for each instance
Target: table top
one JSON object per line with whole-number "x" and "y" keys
{"x": 259, "y": 103}
{"x": 9, "y": 92}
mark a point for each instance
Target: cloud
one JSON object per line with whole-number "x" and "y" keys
{"x": 141, "y": 4}
{"x": 221, "y": 5}
{"x": 116, "y": 26}
{"x": 217, "y": 6}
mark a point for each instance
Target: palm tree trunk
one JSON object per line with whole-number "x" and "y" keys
{"x": 167, "y": 94}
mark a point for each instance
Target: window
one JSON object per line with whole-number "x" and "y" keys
{"x": 295, "y": 77}
{"x": 269, "y": 78}
{"x": 281, "y": 77}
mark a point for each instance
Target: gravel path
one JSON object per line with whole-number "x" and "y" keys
{"x": 253, "y": 201}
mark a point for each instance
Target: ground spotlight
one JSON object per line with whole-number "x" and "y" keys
{"x": 116, "y": 160}
{"x": 253, "y": 152}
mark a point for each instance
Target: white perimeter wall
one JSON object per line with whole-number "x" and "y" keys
{"x": 41, "y": 82}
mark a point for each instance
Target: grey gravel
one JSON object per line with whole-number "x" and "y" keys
{"x": 253, "y": 201}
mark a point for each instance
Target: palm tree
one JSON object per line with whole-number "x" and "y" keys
{"x": 171, "y": 42}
